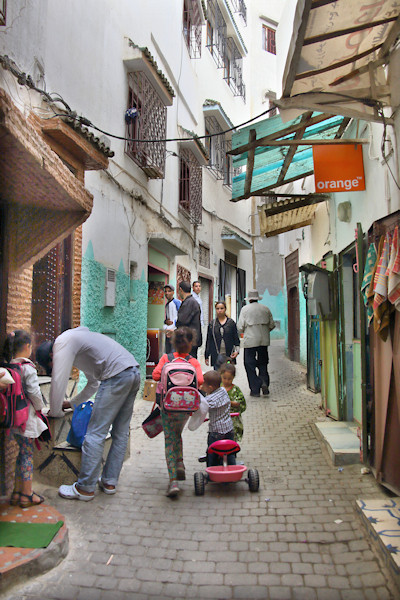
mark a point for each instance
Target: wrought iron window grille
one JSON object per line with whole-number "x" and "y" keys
{"x": 216, "y": 147}
{"x": 233, "y": 74}
{"x": 149, "y": 123}
{"x": 204, "y": 256}
{"x": 239, "y": 6}
{"x": 3, "y": 10}
{"x": 192, "y": 27}
{"x": 216, "y": 33}
{"x": 190, "y": 186}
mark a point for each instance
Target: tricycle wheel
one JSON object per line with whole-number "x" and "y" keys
{"x": 253, "y": 480}
{"x": 199, "y": 484}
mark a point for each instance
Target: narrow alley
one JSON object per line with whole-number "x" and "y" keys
{"x": 299, "y": 537}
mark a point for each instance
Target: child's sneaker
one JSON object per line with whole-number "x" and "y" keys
{"x": 180, "y": 471}
{"x": 173, "y": 489}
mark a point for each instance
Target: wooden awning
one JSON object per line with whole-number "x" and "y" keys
{"x": 275, "y": 153}
{"x": 291, "y": 213}
{"x": 45, "y": 200}
{"x": 336, "y": 53}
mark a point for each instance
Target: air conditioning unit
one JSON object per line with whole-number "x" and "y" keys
{"x": 109, "y": 296}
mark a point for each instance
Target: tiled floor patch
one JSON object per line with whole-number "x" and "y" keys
{"x": 382, "y": 517}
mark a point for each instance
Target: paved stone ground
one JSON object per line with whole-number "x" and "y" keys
{"x": 281, "y": 543}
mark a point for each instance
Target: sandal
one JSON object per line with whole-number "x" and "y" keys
{"x": 30, "y": 502}
{"x": 15, "y": 498}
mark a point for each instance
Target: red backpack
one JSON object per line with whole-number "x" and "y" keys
{"x": 14, "y": 406}
{"x": 177, "y": 389}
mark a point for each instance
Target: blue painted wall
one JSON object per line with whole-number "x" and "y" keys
{"x": 277, "y": 305}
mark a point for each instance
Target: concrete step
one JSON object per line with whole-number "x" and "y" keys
{"x": 341, "y": 441}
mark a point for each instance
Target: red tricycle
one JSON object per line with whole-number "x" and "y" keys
{"x": 225, "y": 473}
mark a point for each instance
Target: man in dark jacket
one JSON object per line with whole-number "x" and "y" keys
{"x": 189, "y": 314}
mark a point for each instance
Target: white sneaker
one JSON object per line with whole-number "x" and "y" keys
{"x": 173, "y": 489}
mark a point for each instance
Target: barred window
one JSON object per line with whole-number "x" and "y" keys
{"x": 216, "y": 33}
{"x": 204, "y": 256}
{"x": 3, "y": 6}
{"x": 231, "y": 258}
{"x": 239, "y": 6}
{"x": 269, "y": 43}
{"x": 192, "y": 27}
{"x": 190, "y": 186}
{"x": 233, "y": 74}
{"x": 182, "y": 274}
{"x": 147, "y": 121}
{"x": 216, "y": 147}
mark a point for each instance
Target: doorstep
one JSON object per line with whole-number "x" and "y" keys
{"x": 341, "y": 441}
{"x": 381, "y": 518}
{"x": 19, "y": 564}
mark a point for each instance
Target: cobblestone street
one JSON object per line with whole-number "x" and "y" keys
{"x": 280, "y": 543}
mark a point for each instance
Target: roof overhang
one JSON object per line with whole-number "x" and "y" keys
{"x": 40, "y": 190}
{"x": 188, "y": 140}
{"x": 160, "y": 242}
{"x": 77, "y": 144}
{"x": 292, "y": 213}
{"x": 276, "y": 153}
{"x": 140, "y": 59}
{"x": 235, "y": 240}
{"x": 336, "y": 53}
{"x": 216, "y": 110}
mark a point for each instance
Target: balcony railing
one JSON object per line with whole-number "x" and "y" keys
{"x": 233, "y": 69}
{"x": 239, "y": 6}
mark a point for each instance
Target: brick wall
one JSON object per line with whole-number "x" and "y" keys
{"x": 19, "y": 305}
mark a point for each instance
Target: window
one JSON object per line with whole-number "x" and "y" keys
{"x": 190, "y": 186}
{"x": 204, "y": 255}
{"x": 215, "y": 146}
{"x": 216, "y": 33}
{"x": 233, "y": 69}
{"x": 192, "y": 27}
{"x": 269, "y": 43}
{"x": 146, "y": 120}
{"x": 239, "y": 6}
{"x": 3, "y": 6}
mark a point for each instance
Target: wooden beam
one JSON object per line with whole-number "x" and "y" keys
{"x": 312, "y": 100}
{"x": 337, "y": 65}
{"x": 250, "y": 163}
{"x": 333, "y": 34}
{"x": 289, "y": 227}
{"x": 303, "y": 8}
{"x": 319, "y": 3}
{"x": 316, "y": 142}
{"x": 293, "y": 148}
{"x": 391, "y": 38}
{"x": 288, "y": 205}
{"x": 304, "y": 196}
{"x": 277, "y": 134}
{"x": 356, "y": 72}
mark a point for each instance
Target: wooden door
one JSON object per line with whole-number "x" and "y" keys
{"x": 293, "y": 303}
{"x": 52, "y": 293}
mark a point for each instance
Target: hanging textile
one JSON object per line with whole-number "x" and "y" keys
{"x": 393, "y": 271}
{"x": 382, "y": 308}
{"x": 368, "y": 273}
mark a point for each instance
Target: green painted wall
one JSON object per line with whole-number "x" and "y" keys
{"x": 277, "y": 305}
{"x": 126, "y": 322}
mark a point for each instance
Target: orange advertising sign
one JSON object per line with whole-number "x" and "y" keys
{"x": 338, "y": 168}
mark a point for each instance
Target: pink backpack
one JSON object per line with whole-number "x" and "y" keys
{"x": 14, "y": 406}
{"x": 177, "y": 389}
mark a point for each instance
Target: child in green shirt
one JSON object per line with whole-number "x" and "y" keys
{"x": 238, "y": 401}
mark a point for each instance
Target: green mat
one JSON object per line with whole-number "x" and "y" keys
{"x": 27, "y": 535}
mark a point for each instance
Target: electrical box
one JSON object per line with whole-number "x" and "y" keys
{"x": 109, "y": 296}
{"x": 318, "y": 293}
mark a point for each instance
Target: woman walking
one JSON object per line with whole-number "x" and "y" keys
{"x": 222, "y": 338}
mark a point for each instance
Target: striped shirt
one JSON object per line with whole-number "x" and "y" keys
{"x": 219, "y": 411}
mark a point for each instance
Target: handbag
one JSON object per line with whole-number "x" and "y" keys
{"x": 79, "y": 424}
{"x": 45, "y": 436}
{"x": 221, "y": 358}
{"x": 152, "y": 426}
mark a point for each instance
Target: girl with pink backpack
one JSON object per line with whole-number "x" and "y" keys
{"x": 174, "y": 420}
{"x": 17, "y": 350}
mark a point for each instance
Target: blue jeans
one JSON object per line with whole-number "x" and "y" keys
{"x": 113, "y": 406}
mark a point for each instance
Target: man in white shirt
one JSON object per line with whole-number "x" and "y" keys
{"x": 256, "y": 322}
{"x": 196, "y": 289}
{"x": 171, "y": 315}
{"x": 112, "y": 374}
